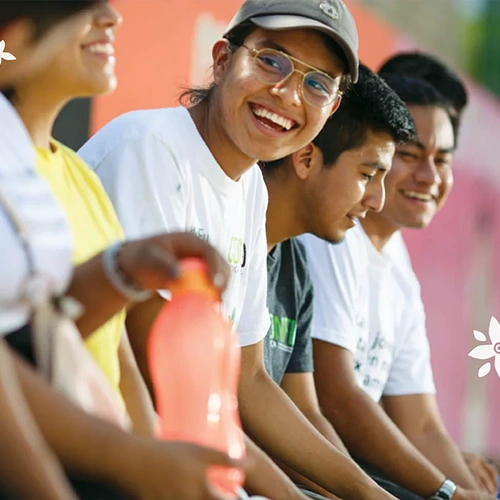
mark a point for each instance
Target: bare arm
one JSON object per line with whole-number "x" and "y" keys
{"x": 134, "y": 391}
{"x": 150, "y": 263}
{"x": 263, "y": 476}
{"x": 23, "y": 448}
{"x": 367, "y": 430}
{"x": 89, "y": 447}
{"x": 418, "y": 418}
{"x": 277, "y": 425}
{"x": 139, "y": 321}
{"x": 301, "y": 390}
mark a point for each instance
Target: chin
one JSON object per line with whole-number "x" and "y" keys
{"x": 333, "y": 239}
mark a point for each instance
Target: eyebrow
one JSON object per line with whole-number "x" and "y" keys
{"x": 375, "y": 164}
{"x": 270, "y": 44}
{"x": 421, "y": 146}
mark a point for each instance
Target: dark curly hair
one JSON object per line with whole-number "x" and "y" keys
{"x": 368, "y": 106}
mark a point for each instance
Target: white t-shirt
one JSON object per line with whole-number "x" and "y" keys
{"x": 42, "y": 220}
{"x": 161, "y": 176}
{"x": 369, "y": 303}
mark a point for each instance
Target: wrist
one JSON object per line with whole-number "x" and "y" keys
{"x": 447, "y": 491}
{"x": 124, "y": 470}
{"x": 120, "y": 276}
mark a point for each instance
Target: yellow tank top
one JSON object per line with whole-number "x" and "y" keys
{"x": 94, "y": 226}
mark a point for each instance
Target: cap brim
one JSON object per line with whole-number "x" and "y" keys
{"x": 283, "y": 22}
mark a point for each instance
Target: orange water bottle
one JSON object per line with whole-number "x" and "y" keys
{"x": 194, "y": 362}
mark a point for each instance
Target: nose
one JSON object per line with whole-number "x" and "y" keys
{"x": 427, "y": 172}
{"x": 289, "y": 89}
{"x": 107, "y": 16}
{"x": 374, "y": 199}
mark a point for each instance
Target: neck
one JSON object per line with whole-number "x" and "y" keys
{"x": 282, "y": 222}
{"x": 231, "y": 159}
{"x": 38, "y": 108}
{"x": 378, "y": 229}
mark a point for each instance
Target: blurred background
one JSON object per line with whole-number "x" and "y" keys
{"x": 164, "y": 45}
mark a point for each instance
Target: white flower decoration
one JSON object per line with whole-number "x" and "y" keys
{"x": 488, "y": 351}
{"x": 5, "y": 55}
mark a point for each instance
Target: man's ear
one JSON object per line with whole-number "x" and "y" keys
{"x": 336, "y": 105}
{"x": 306, "y": 160}
{"x": 220, "y": 56}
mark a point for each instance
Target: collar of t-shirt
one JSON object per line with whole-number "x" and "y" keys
{"x": 203, "y": 159}
{"x": 379, "y": 261}
{"x": 275, "y": 254}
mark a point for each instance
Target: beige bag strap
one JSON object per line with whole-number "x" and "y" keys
{"x": 36, "y": 292}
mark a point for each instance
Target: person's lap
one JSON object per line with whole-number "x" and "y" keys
{"x": 384, "y": 482}
{"x": 85, "y": 490}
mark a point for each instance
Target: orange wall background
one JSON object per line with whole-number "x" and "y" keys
{"x": 164, "y": 45}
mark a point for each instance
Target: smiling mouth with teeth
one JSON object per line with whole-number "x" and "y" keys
{"x": 273, "y": 120}
{"x": 413, "y": 195}
{"x": 101, "y": 48}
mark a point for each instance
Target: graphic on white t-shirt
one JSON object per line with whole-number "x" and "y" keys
{"x": 369, "y": 303}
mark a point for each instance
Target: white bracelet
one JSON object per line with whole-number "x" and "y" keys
{"x": 118, "y": 279}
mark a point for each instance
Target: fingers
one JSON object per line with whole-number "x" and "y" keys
{"x": 490, "y": 477}
{"x": 188, "y": 245}
{"x": 486, "y": 474}
{"x": 166, "y": 261}
{"x": 216, "y": 457}
{"x": 211, "y": 494}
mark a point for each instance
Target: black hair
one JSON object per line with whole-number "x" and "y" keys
{"x": 236, "y": 37}
{"x": 438, "y": 74}
{"x": 415, "y": 91}
{"x": 418, "y": 92}
{"x": 370, "y": 105}
{"x": 433, "y": 71}
{"x": 44, "y": 14}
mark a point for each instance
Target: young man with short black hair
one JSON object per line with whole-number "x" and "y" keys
{"x": 370, "y": 343}
{"x": 321, "y": 189}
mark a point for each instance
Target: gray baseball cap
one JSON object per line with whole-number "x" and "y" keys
{"x": 331, "y": 17}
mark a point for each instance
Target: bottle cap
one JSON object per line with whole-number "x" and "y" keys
{"x": 194, "y": 278}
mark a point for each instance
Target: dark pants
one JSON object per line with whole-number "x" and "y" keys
{"x": 84, "y": 491}
{"x": 381, "y": 479}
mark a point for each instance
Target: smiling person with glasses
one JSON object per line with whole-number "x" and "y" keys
{"x": 195, "y": 169}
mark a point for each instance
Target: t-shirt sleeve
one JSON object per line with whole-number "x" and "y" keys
{"x": 411, "y": 370}
{"x": 301, "y": 360}
{"x": 143, "y": 182}
{"x": 254, "y": 321}
{"x": 335, "y": 279}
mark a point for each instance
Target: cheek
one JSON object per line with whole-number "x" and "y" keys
{"x": 446, "y": 186}
{"x": 398, "y": 173}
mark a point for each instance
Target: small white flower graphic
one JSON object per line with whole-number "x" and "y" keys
{"x": 5, "y": 55}
{"x": 488, "y": 351}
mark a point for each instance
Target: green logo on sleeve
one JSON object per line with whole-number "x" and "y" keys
{"x": 283, "y": 332}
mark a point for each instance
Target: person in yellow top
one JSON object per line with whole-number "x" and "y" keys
{"x": 94, "y": 226}
{"x": 84, "y": 68}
